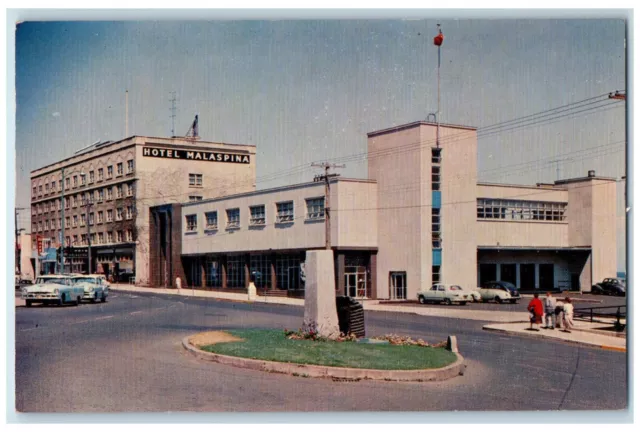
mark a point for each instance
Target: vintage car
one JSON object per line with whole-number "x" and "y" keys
{"x": 445, "y": 293}
{"x": 52, "y": 289}
{"x": 95, "y": 287}
{"x": 499, "y": 291}
{"x": 609, "y": 286}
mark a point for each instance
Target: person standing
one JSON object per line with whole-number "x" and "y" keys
{"x": 549, "y": 312}
{"x": 567, "y": 318}
{"x": 536, "y": 310}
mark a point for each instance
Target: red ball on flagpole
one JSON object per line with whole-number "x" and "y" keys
{"x": 437, "y": 41}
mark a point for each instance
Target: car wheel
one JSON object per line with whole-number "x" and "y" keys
{"x": 514, "y": 301}
{"x": 62, "y": 300}
{"x": 95, "y": 298}
{"x": 420, "y": 299}
{"x": 29, "y": 304}
{"x": 498, "y": 300}
{"x": 104, "y": 298}
{"x": 77, "y": 302}
{"x": 447, "y": 301}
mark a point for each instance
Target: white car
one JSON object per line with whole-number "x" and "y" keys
{"x": 52, "y": 289}
{"x": 445, "y": 293}
{"x": 95, "y": 287}
{"x": 500, "y": 292}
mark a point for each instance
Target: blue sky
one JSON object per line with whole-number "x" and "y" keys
{"x": 304, "y": 91}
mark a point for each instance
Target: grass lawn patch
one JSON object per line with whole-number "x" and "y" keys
{"x": 272, "y": 345}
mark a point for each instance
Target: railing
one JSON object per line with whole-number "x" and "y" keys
{"x": 619, "y": 314}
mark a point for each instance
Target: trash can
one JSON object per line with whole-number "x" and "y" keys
{"x": 350, "y": 316}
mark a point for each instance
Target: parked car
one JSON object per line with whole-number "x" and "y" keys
{"x": 95, "y": 287}
{"x": 52, "y": 289}
{"x": 499, "y": 291}
{"x": 610, "y": 286}
{"x": 445, "y": 293}
{"x": 477, "y": 297}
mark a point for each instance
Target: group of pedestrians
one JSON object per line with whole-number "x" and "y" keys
{"x": 554, "y": 311}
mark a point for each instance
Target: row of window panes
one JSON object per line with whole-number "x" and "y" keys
{"x": 51, "y": 187}
{"x": 99, "y": 238}
{"x": 521, "y": 210}
{"x": 195, "y": 179}
{"x": 257, "y": 217}
{"x": 120, "y": 211}
{"x": 287, "y": 270}
{"x": 75, "y": 200}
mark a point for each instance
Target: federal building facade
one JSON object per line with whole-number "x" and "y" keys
{"x": 419, "y": 218}
{"x": 108, "y": 189}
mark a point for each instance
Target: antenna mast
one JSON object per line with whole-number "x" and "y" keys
{"x": 173, "y": 113}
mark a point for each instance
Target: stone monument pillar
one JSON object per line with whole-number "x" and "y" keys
{"x": 320, "y": 314}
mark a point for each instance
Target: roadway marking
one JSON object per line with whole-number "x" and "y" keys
{"x": 136, "y": 312}
{"x": 104, "y": 317}
{"x": 29, "y": 329}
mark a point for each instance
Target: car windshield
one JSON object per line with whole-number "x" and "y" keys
{"x": 509, "y": 286}
{"x": 85, "y": 279}
{"x": 44, "y": 280}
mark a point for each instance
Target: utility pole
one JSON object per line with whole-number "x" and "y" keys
{"x": 327, "y": 206}
{"x": 437, "y": 41}
{"x": 88, "y": 206}
{"x": 18, "y": 249}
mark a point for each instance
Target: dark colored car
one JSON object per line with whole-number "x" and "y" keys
{"x": 610, "y": 286}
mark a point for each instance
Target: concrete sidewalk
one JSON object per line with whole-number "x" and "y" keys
{"x": 584, "y": 333}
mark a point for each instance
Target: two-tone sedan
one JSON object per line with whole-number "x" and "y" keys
{"x": 500, "y": 292}
{"x": 52, "y": 289}
{"x": 445, "y": 293}
{"x": 95, "y": 287}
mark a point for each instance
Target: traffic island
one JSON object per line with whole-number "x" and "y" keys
{"x": 273, "y": 351}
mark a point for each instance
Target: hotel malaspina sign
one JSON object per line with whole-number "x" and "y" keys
{"x": 195, "y": 155}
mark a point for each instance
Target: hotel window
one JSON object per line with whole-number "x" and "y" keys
{"x": 40, "y": 190}
{"x": 110, "y": 171}
{"x": 84, "y": 239}
{"x": 91, "y": 218}
{"x": 100, "y": 195}
{"x": 53, "y": 186}
{"x": 67, "y": 183}
{"x": 88, "y": 198}
{"x": 435, "y": 178}
{"x": 129, "y": 235}
{"x": 120, "y": 236}
{"x": 75, "y": 181}
{"x": 130, "y": 189}
{"x": 233, "y": 218}
{"x": 119, "y": 214}
{"x": 93, "y": 238}
{"x": 119, "y": 191}
{"x": 521, "y": 210}
{"x": 195, "y": 198}
{"x": 59, "y": 223}
{"x": 73, "y": 201}
{"x": 436, "y": 155}
{"x": 100, "y": 238}
{"x": 212, "y": 220}
{"x": 46, "y": 225}
{"x": 83, "y": 220}
{"x": 109, "y": 194}
{"x": 67, "y": 221}
{"x": 195, "y": 179}
{"x": 130, "y": 166}
{"x": 257, "y": 215}
{"x": 284, "y": 211}
{"x": 40, "y": 226}
{"x": 260, "y": 269}
{"x": 46, "y": 189}
{"x": 35, "y": 191}
{"x": 75, "y": 239}
{"x": 100, "y": 216}
{"x": 60, "y": 185}
{"x": 315, "y": 208}
{"x": 57, "y": 205}
{"x": 120, "y": 168}
{"x": 435, "y": 220}
{"x": 192, "y": 222}
{"x": 109, "y": 215}
{"x": 100, "y": 174}
{"x": 83, "y": 179}
{"x": 75, "y": 221}
{"x": 129, "y": 212}
{"x": 91, "y": 177}
{"x": 110, "y": 237}
{"x": 68, "y": 240}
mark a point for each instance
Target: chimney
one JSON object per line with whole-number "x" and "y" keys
{"x": 592, "y": 173}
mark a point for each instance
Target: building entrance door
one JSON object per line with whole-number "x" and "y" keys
{"x": 527, "y": 276}
{"x": 350, "y": 284}
{"x": 398, "y": 285}
{"x": 546, "y": 277}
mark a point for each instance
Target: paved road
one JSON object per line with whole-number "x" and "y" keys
{"x": 126, "y": 356}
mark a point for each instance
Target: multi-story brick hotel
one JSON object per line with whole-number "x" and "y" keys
{"x": 108, "y": 189}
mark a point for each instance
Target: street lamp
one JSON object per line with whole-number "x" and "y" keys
{"x": 81, "y": 172}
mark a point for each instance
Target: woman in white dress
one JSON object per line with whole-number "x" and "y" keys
{"x": 567, "y": 318}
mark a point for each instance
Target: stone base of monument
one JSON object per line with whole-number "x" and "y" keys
{"x": 251, "y": 291}
{"x": 320, "y": 315}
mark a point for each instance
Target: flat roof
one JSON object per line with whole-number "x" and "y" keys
{"x": 541, "y": 187}
{"x": 581, "y": 179}
{"x": 418, "y": 123}
{"x": 532, "y": 248}
{"x": 86, "y": 151}
{"x": 276, "y": 189}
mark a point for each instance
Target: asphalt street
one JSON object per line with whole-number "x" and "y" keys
{"x": 126, "y": 356}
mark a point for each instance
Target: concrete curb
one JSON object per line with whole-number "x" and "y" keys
{"x": 544, "y": 336}
{"x": 314, "y": 371}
